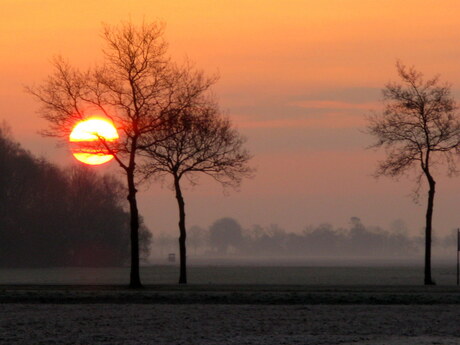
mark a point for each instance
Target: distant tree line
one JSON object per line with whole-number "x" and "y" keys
{"x": 59, "y": 217}
{"x": 226, "y": 237}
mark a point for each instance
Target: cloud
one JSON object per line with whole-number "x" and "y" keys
{"x": 333, "y": 119}
{"x": 335, "y": 105}
{"x": 311, "y": 113}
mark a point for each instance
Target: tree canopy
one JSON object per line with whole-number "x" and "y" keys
{"x": 198, "y": 140}
{"x": 59, "y": 217}
{"x": 137, "y": 86}
{"x": 419, "y": 128}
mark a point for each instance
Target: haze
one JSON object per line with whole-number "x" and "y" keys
{"x": 297, "y": 78}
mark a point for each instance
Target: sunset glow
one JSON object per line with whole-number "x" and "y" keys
{"x": 298, "y": 78}
{"x": 86, "y": 138}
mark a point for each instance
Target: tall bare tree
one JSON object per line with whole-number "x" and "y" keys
{"x": 136, "y": 86}
{"x": 419, "y": 128}
{"x": 200, "y": 140}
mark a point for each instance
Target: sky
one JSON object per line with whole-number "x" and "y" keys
{"x": 297, "y": 78}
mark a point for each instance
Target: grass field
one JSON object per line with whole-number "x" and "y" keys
{"x": 94, "y": 306}
{"x": 227, "y": 274}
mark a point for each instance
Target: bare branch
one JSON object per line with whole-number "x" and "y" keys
{"x": 199, "y": 140}
{"x": 419, "y": 128}
{"x": 419, "y": 120}
{"x": 137, "y": 87}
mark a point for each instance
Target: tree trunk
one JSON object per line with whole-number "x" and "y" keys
{"x": 428, "y": 229}
{"x": 183, "y": 234}
{"x": 135, "y": 280}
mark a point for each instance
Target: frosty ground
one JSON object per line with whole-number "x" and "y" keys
{"x": 228, "y": 324}
{"x": 229, "y": 314}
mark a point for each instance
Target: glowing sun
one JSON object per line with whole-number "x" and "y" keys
{"x": 87, "y": 137}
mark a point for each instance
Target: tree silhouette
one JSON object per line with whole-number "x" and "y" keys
{"x": 199, "y": 140}
{"x": 419, "y": 128}
{"x": 59, "y": 217}
{"x": 225, "y": 232}
{"x": 137, "y": 87}
{"x": 196, "y": 237}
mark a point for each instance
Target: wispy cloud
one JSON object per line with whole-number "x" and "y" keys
{"x": 309, "y": 114}
{"x": 335, "y": 105}
{"x": 331, "y": 120}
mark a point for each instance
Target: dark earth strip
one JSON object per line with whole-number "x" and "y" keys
{"x": 223, "y": 324}
{"x": 231, "y": 294}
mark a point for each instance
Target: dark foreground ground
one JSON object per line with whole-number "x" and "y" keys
{"x": 230, "y": 314}
{"x": 231, "y": 294}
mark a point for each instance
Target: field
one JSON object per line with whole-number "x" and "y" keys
{"x": 383, "y": 274}
{"x": 340, "y": 305}
{"x": 221, "y": 324}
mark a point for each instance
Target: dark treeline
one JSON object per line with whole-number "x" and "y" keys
{"x": 226, "y": 237}
{"x": 59, "y": 217}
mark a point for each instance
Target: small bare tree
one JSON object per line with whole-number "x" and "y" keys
{"x": 419, "y": 128}
{"x": 200, "y": 140}
{"x": 137, "y": 87}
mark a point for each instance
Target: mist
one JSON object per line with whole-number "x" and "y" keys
{"x": 75, "y": 217}
{"x": 226, "y": 242}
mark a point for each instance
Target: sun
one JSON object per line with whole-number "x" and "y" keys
{"x": 86, "y": 141}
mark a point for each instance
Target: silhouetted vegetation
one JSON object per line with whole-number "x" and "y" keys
{"x": 420, "y": 129}
{"x": 138, "y": 87}
{"x": 60, "y": 217}
{"x": 226, "y": 238}
{"x": 225, "y": 235}
{"x": 200, "y": 140}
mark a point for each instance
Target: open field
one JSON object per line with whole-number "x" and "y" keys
{"x": 383, "y": 274}
{"x": 232, "y": 294}
{"x": 221, "y": 324}
{"x": 229, "y": 313}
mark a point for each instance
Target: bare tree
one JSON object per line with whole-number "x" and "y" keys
{"x": 198, "y": 141}
{"x": 137, "y": 87}
{"x": 419, "y": 128}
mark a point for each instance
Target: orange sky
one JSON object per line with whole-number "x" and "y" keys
{"x": 297, "y": 77}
